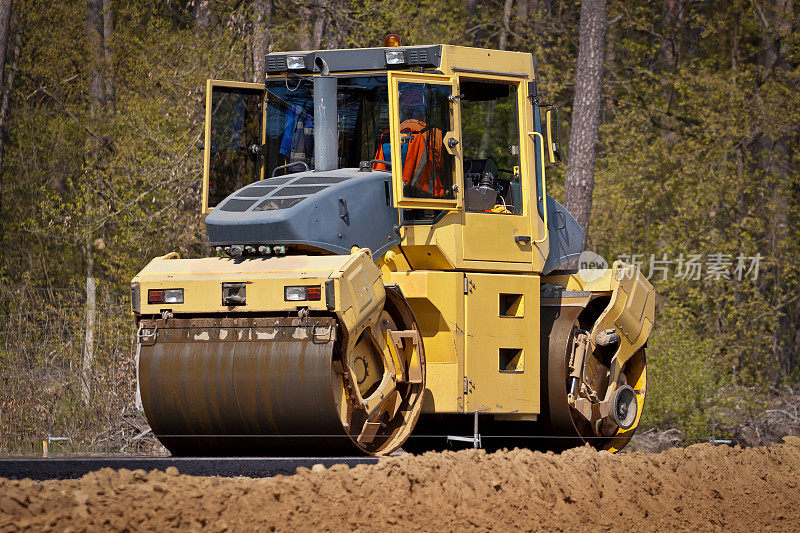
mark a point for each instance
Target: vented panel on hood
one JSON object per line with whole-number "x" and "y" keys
{"x": 299, "y": 191}
{"x": 254, "y": 192}
{"x": 272, "y": 204}
{"x": 320, "y": 180}
{"x": 237, "y": 206}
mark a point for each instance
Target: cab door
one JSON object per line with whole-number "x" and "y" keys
{"x": 494, "y": 114}
{"x": 424, "y": 141}
{"x": 234, "y": 125}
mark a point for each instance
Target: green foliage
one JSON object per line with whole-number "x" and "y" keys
{"x": 697, "y": 155}
{"x": 684, "y": 377}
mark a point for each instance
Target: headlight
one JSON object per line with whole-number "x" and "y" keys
{"x": 173, "y": 296}
{"x": 300, "y": 294}
{"x": 296, "y": 62}
{"x": 395, "y": 57}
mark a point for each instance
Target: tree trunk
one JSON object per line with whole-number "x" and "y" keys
{"x": 525, "y": 20}
{"x": 506, "y": 21}
{"x": 305, "y": 40}
{"x": 108, "y": 55}
{"x": 586, "y": 113}
{"x": 202, "y": 14}
{"x": 5, "y": 28}
{"x": 91, "y": 317}
{"x": 6, "y": 84}
{"x": 774, "y": 157}
{"x": 670, "y": 44}
{"x": 95, "y": 27}
{"x": 261, "y": 38}
{"x": 319, "y": 25}
{"x": 471, "y": 27}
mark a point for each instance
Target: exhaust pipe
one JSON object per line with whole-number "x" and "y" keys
{"x": 326, "y": 138}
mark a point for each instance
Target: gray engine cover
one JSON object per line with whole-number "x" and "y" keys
{"x": 338, "y": 209}
{"x": 331, "y": 210}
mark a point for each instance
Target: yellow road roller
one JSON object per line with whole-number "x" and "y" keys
{"x": 386, "y": 269}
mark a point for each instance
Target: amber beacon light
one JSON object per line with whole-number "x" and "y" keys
{"x": 391, "y": 40}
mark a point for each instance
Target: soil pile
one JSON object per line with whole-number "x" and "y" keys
{"x": 700, "y": 487}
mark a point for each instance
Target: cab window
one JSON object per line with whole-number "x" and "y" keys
{"x": 235, "y": 125}
{"x": 491, "y": 144}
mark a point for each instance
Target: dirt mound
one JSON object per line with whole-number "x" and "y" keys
{"x": 700, "y": 487}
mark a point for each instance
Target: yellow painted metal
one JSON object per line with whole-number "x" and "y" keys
{"x": 502, "y": 344}
{"x": 630, "y": 312}
{"x": 595, "y": 280}
{"x": 543, "y": 238}
{"x": 443, "y": 393}
{"x": 437, "y": 299}
{"x": 201, "y": 279}
{"x": 395, "y": 78}
{"x": 210, "y": 84}
{"x": 483, "y": 61}
{"x": 392, "y": 261}
{"x": 490, "y": 236}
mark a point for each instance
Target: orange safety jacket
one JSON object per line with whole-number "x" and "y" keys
{"x": 423, "y": 158}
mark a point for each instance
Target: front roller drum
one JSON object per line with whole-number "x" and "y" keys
{"x": 562, "y": 323}
{"x": 281, "y": 386}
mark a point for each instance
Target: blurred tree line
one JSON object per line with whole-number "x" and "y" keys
{"x": 102, "y": 105}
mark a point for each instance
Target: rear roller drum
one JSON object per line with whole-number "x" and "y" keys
{"x": 589, "y": 407}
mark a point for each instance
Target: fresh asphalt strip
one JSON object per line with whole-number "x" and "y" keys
{"x": 39, "y": 468}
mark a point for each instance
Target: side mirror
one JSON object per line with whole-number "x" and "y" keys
{"x": 553, "y": 134}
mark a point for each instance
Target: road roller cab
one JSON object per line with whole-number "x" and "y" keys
{"x": 387, "y": 268}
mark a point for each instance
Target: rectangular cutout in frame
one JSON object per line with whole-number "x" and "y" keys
{"x": 512, "y": 305}
{"x": 511, "y": 360}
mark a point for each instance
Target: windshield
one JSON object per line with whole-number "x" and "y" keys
{"x": 363, "y": 117}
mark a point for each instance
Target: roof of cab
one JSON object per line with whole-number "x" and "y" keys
{"x": 446, "y": 59}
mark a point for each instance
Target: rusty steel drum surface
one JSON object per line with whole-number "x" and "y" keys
{"x": 257, "y": 386}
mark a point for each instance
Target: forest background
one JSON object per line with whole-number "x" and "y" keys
{"x": 696, "y": 178}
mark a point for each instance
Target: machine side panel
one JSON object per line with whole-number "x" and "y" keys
{"x": 490, "y": 236}
{"x": 502, "y": 343}
{"x": 437, "y": 299}
{"x": 485, "y": 61}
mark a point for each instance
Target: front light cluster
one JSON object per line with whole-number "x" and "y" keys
{"x": 395, "y": 57}
{"x": 296, "y": 62}
{"x": 165, "y": 296}
{"x": 302, "y": 293}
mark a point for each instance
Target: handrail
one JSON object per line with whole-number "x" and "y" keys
{"x": 544, "y": 186}
{"x": 288, "y": 165}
